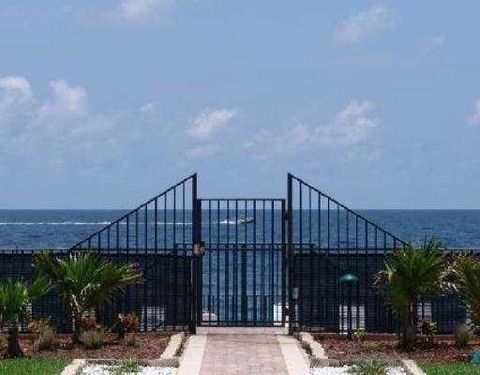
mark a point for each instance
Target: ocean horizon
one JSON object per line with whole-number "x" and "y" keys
{"x": 62, "y": 228}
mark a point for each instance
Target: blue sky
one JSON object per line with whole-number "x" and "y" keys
{"x": 104, "y": 103}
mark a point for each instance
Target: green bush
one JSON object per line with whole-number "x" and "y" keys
{"x": 463, "y": 335}
{"x": 46, "y": 336}
{"x": 93, "y": 339}
{"x": 129, "y": 367}
{"x": 370, "y": 367}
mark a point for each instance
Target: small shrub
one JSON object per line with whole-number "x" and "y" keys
{"x": 127, "y": 323}
{"x": 93, "y": 339}
{"x": 46, "y": 340}
{"x": 371, "y": 367}
{"x": 463, "y": 335}
{"x": 3, "y": 343}
{"x": 427, "y": 329}
{"x": 128, "y": 367}
{"x": 89, "y": 323}
{"x": 46, "y": 335}
{"x": 359, "y": 335}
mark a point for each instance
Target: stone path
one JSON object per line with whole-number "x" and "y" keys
{"x": 243, "y": 354}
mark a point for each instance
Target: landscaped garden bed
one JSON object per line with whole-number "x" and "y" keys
{"x": 146, "y": 346}
{"x": 346, "y": 370}
{"x": 386, "y": 348}
{"x": 441, "y": 356}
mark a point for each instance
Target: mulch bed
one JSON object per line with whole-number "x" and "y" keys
{"x": 148, "y": 346}
{"x": 385, "y": 348}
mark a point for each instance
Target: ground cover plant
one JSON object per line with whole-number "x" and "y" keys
{"x": 37, "y": 366}
{"x": 451, "y": 369}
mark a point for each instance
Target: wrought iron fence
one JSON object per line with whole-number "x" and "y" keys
{"x": 266, "y": 262}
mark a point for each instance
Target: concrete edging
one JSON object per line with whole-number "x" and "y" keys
{"x": 74, "y": 367}
{"x": 194, "y": 350}
{"x": 411, "y": 367}
{"x": 169, "y": 357}
{"x": 318, "y": 357}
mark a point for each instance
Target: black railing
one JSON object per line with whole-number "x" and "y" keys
{"x": 265, "y": 262}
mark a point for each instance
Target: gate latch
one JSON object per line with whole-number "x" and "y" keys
{"x": 199, "y": 249}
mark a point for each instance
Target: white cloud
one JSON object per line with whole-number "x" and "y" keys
{"x": 65, "y": 99}
{"x": 16, "y": 102}
{"x": 210, "y": 122}
{"x": 353, "y": 125}
{"x": 365, "y": 24}
{"x": 202, "y": 151}
{"x": 57, "y": 131}
{"x": 139, "y": 10}
{"x": 474, "y": 118}
{"x": 433, "y": 44}
{"x": 149, "y": 109}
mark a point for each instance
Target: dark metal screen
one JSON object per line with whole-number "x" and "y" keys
{"x": 243, "y": 282}
{"x": 157, "y": 236}
{"x": 327, "y": 240}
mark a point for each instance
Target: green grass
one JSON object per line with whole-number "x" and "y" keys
{"x": 34, "y": 366}
{"x": 452, "y": 369}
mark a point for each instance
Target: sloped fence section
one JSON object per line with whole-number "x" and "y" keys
{"x": 335, "y": 254}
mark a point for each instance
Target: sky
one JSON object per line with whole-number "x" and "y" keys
{"x": 106, "y": 103}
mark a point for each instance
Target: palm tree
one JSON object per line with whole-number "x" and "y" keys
{"x": 15, "y": 298}
{"x": 85, "y": 281}
{"x": 410, "y": 274}
{"x": 465, "y": 278}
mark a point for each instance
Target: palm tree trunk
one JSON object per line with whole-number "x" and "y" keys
{"x": 77, "y": 326}
{"x": 409, "y": 329}
{"x": 13, "y": 347}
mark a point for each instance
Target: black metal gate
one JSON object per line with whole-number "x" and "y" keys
{"x": 241, "y": 275}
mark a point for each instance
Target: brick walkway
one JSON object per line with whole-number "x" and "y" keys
{"x": 243, "y": 354}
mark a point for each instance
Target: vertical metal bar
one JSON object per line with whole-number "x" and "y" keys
{"x": 254, "y": 260}
{"x": 290, "y": 256}
{"x": 274, "y": 285}
{"x": 210, "y": 271}
{"x": 156, "y": 223}
{"x": 235, "y": 268}
{"x": 218, "y": 264}
{"x": 245, "y": 302}
{"x": 284, "y": 269}
{"x": 264, "y": 303}
{"x": 145, "y": 270}
{"x": 196, "y": 296}
{"x": 227, "y": 265}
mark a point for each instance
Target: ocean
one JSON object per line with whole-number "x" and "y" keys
{"x": 49, "y": 229}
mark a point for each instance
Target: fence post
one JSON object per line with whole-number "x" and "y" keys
{"x": 194, "y": 258}
{"x": 289, "y": 256}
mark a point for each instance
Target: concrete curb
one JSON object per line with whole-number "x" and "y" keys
{"x": 318, "y": 357}
{"x": 169, "y": 357}
{"x": 295, "y": 358}
{"x": 191, "y": 359}
{"x": 74, "y": 367}
{"x": 411, "y": 367}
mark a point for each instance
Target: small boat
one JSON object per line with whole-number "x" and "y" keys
{"x": 246, "y": 220}
{"x": 240, "y": 221}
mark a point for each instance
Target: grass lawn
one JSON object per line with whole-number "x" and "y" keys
{"x": 36, "y": 366}
{"x": 452, "y": 369}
